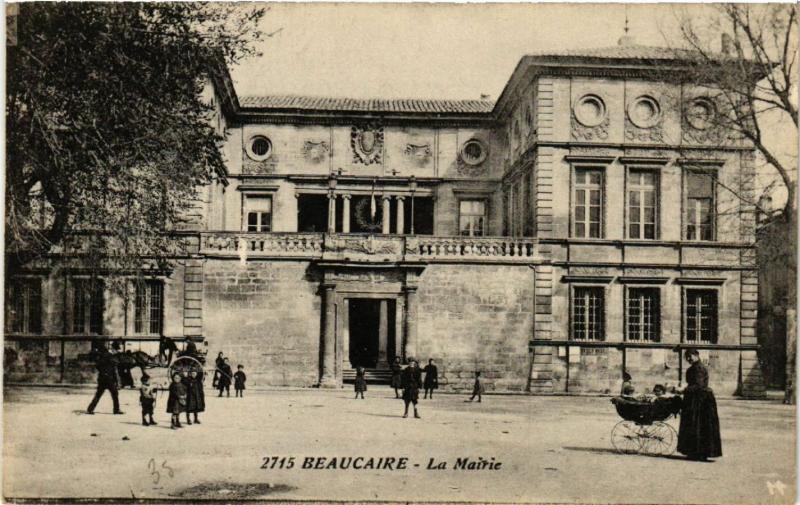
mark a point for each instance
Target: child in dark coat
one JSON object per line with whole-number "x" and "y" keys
{"x": 147, "y": 399}
{"x": 176, "y": 401}
{"x": 225, "y": 376}
{"x": 195, "y": 396}
{"x": 477, "y": 388}
{"x": 361, "y": 381}
{"x": 239, "y": 378}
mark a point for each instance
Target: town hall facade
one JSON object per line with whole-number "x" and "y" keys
{"x": 589, "y": 221}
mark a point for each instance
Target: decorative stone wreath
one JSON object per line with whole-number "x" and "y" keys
{"x": 361, "y": 214}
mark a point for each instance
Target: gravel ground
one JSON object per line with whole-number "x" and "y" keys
{"x": 550, "y": 449}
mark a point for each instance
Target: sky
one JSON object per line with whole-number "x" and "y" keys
{"x": 426, "y": 50}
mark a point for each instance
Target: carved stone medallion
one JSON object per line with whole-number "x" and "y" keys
{"x": 367, "y": 144}
{"x": 315, "y": 152}
{"x": 419, "y": 154}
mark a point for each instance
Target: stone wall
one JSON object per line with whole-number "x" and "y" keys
{"x": 477, "y": 317}
{"x": 264, "y": 315}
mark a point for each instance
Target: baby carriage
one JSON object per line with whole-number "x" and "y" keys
{"x": 643, "y": 429}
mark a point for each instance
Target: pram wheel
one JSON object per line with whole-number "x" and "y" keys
{"x": 625, "y": 437}
{"x": 658, "y": 439}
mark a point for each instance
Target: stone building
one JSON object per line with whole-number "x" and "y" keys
{"x": 580, "y": 225}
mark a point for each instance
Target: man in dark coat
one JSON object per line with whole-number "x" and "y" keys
{"x": 190, "y": 349}
{"x": 431, "y": 378}
{"x": 166, "y": 347}
{"x": 106, "y": 379}
{"x": 412, "y": 381}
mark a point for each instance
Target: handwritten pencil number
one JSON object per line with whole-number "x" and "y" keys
{"x": 153, "y": 467}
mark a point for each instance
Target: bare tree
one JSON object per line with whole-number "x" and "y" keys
{"x": 745, "y": 57}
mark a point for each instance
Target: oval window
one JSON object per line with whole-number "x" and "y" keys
{"x": 644, "y": 112}
{"x": 259, "y": 148}
{"x": 590, "y": 110}
{"x": 473, "y": 152}
{"x": 701, "y": 113}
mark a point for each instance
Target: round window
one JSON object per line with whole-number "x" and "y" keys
{"x": 644, "y": 112}
{"x": 259, "y": 148}
{"x": 700, "y": 113}
{"x": 590, "y": 110}
{"x": 473, "y": 152}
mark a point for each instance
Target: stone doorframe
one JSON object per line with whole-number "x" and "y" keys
{"x": 341, "y": 281}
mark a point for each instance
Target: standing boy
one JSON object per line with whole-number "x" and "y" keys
{"x": 147, "y": 399}
{"x": 239, "y": 378}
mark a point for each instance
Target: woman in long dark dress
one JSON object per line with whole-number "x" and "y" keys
{"x": 698, "y": 437}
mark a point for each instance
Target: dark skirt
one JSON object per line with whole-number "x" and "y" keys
{"x": 195, "y": 397}
{"x": 361, "y": 384}
{"x": 699, "y": 429}
{"x": 397, "y": 381}
{"x": 176, "y": 404}
{"x": 431, "y": 383}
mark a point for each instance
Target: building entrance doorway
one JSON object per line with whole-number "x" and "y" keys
{"x": 371, "y": 332}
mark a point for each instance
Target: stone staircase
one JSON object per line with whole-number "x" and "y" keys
{"x": 373, "y": 375}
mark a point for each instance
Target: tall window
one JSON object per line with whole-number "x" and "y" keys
{"x": 644, "y": 314}
{"x": 701, "y": 315}
{"x": 472, "y": 218}
{"x": 24, "y": 306}
{"x": 699, "y": 206}
{"x": 588, "y": 313}
{"x": 642, "y": 207}
{"x": 588, "y": 202}
{"x": 258, "y": 213}
{"x": 87, "y": 306}
{"x": 149, "y": 308}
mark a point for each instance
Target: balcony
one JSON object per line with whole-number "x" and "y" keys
{"x": 370, "y": 248}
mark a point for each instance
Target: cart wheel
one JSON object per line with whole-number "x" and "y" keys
{"x": 625, "y": 437}
{"x": 183, "y": 365}
{"x": 659, "y": 439}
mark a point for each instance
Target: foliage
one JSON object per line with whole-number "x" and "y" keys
{"x": 108, "y": 137}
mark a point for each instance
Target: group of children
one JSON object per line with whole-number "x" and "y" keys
{"x": 186, "y": 395}
{"x": 430, "y": 383}
{"x": 627, "y": 390}
{"x": 223, "y": 375}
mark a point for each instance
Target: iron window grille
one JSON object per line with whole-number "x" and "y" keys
{"x": 149, "y": 308}
{"x": 588, "y": 313}
{"x": 700, "y": 310}
{"x": 643, "y": 314}
{"x": 24, "y": 306}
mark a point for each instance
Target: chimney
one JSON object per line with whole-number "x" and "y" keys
{"x": 485, "y": 96}
{"x": 727, "y": 45}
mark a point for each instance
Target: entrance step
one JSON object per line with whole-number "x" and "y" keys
{"x": 373, "y": 376}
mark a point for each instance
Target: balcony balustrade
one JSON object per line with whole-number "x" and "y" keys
{"x": 369, "y": 247}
